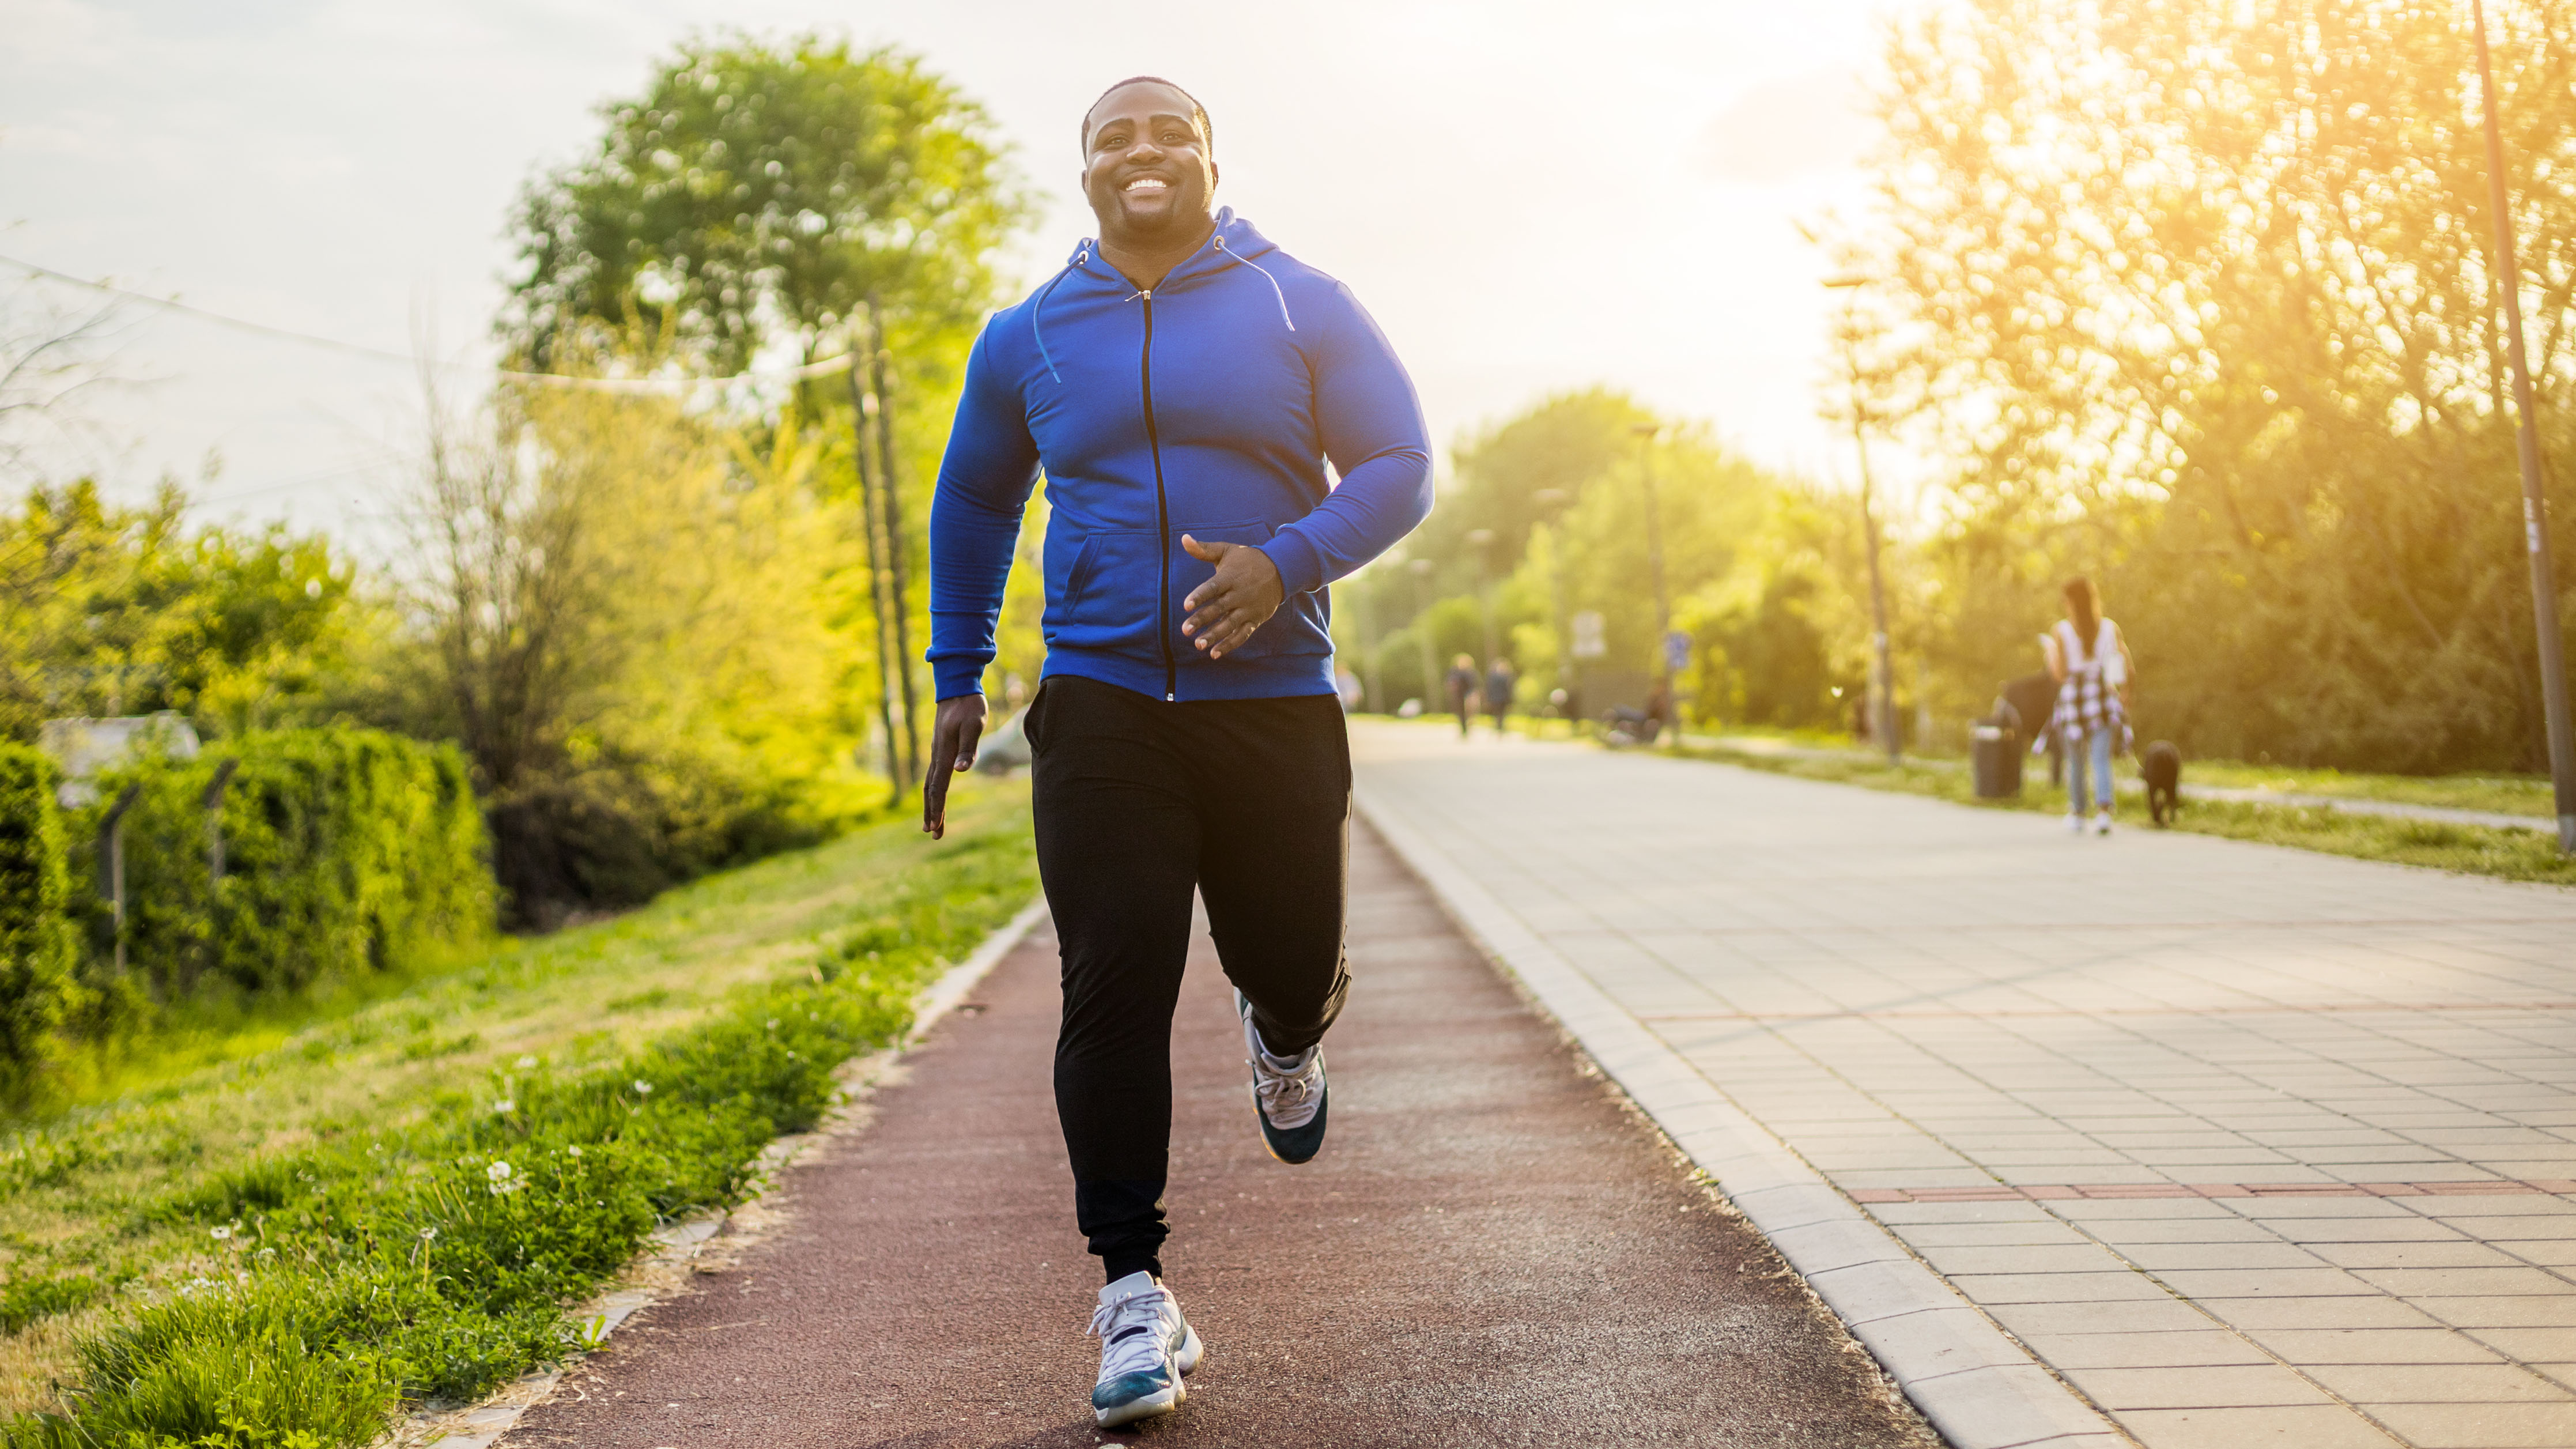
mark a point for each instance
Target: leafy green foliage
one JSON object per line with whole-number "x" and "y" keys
{"x": 107, "y": 610}
{"x": 437, "y": 1260}
{"x": 754, "y": 186}
{"x": 346, "y": 851}
{"x": 36, "y": 980}
{"x": 2199, "y": 298}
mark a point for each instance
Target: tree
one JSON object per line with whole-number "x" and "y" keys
{"x": 791, "y": 200}
{"x": 49, "y": 356}
{"x": 2199, "y": 294}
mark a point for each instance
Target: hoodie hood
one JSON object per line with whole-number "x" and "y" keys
{"x": 1234, "y": 243}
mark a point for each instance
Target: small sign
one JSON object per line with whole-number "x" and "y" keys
{"x": 1677, "y": 650}
{"x": 1588, "y": 643}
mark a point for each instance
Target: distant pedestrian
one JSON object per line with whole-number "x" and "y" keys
{"x": 2090, "y": 663}
{"x": 1500, "y": 681}
{"x": 1462, "y": 691}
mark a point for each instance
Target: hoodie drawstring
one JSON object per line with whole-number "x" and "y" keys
{"x": 1039, "y": 306}
{"x": 1265, "y": 276}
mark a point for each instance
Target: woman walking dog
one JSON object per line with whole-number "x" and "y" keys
{"x": 2090, "y": 663}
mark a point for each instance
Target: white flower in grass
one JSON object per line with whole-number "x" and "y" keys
{"x": 773, "y": 1023}
{"x": 643, "y": 1088}
{"x": 505, "y": 1106}
{"x": 572, "y": 1152}
{"x": 499, "y": 1174}
{"x": 428, "y": 1234}
{"x": 222, "y": 1234}
{"x": 526, "y": 1063}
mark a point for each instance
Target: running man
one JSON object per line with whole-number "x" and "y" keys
{"x": 1181, "y": 383}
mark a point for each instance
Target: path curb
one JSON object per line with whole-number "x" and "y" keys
{"x": 1978, "y": 1387}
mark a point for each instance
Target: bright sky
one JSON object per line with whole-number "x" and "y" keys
{"x": 1528, "y": 196}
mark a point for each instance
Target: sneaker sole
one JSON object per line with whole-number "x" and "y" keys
{"x": 1188, "y": 1358}
{"x": 1144, "y": 1408}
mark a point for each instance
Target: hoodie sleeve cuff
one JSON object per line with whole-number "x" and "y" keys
{"x": 953, "y": 677}
{"x": 1301, "y": 570}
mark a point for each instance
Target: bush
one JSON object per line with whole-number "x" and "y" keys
{"x": 36, "y": 957}
{"x": 345, "y": 851}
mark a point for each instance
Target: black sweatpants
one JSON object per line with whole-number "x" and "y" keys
{"x": 1138, "y": 802}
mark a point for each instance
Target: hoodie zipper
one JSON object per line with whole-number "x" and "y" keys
{"x": 1162, "y": 507}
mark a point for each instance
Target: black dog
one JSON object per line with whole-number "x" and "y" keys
{"x": 2161, "y": 765}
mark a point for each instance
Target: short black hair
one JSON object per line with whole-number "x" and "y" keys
{"x": 1198, "y": 113}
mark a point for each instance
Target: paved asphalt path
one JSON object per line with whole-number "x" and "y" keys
{"x": 1491, "y": 1250}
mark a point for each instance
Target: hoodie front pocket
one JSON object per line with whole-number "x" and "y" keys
{"x": 1107, "y": 601}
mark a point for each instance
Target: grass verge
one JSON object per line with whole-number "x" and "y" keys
{"x": 2519, "y": 855}
{"x": 280, "y": 1249}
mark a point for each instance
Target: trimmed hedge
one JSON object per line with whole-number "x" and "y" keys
{"x": 345, "y": 851}
{"x": 36, "y": 939}
{"x": 383, "y": 1263}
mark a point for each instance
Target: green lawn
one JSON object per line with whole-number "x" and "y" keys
{"x": 259, "y": 1196}
{"x": 2508, "y": 854}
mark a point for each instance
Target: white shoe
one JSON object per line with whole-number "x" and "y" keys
{"x": 2102, "y": 822}
{"x": 1145, "y": 1348}
{"x": 2074, "y": 823}
{"x": 1287, "y": 1094}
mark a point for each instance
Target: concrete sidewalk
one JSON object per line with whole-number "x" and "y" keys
{"x": 2247, "y": 1146}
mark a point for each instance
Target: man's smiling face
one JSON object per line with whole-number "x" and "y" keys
{"x": 1145, "y": 164}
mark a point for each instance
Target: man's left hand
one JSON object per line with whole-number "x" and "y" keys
{"x": 1225, "y": 610}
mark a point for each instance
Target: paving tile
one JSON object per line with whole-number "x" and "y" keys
{"x": 2203, "y": 1387}
{"x": 2329, "y": 1426}
{"x": 2184, "y": 1349}
{"x": 2478, "y": 1282}
{"x": 2529, "y": 1345}
{"x": 2407, "y": 1229}
{"x": 2482, "y": 1426}
{"x": 2269, "y": 1282}
{"x": 2070, "y": 1258}
{"x": 2414, "y": 1255}
{"x": 2521, "y": 1310}
{"x": 2146, "y": 1315}
{"x": 2450, "y": 1383}
{"x": 2057, "y": 1287}
{"x": 2374, "y": 1311}
{"x": 2311, "y": 1346}
{"x": 2157, "y": 1258}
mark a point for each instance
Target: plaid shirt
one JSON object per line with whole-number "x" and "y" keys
{"x": 2085, "y": 701}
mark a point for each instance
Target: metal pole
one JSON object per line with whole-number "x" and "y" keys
{"x": 891, "y": 494}
{"x": 1554, "y": 500}
{"x": 1882, "y": 674}
{"x": 214, "y": 803}
{"x": 1483, "y": 539}
{"x": 1655, "y": 566}
{"x": 111, "y": 851}
{"x": 2535, "y": 502}
{"x": 1422, "y": 633}
{"x": 877, "y": 606}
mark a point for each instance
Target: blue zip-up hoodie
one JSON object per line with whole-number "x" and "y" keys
{"x": 1206, "y": 406}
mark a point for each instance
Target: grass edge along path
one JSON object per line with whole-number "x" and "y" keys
{"x": 439, "y": 1264}
{"x": 2502, "y": 854}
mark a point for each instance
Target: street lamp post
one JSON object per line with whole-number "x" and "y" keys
{"x": 2535, "y": 502}
{"x": 1882, "y": 673}
{"x": 1553, "y": 500}
{"x": 1421, "y": 568}
{"x": 1655, "y": 567}
{"x": 1483, "y": 539}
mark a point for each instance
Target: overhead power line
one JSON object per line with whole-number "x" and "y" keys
{"x": 824, "y": 368}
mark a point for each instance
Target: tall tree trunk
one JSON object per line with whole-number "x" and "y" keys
{"x": 877, "y": 604}
{"x": 896, "y": 541}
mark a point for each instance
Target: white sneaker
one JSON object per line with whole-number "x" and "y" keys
{"x": 1287, "y": 1094}
{"x": 2074, "y": 823}
{"x": 1145, "y": 1347}
{"x": 2102, "y": 823}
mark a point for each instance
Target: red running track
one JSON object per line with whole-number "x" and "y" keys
{"x": 1492, "y": 1249}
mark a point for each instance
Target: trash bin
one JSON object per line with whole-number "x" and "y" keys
{"x": 1994, "y": 755}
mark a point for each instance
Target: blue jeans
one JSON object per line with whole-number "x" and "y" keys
{"x": 2097, "y": 743}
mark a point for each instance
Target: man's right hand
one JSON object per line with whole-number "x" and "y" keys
{"x": 953, "y": 739}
